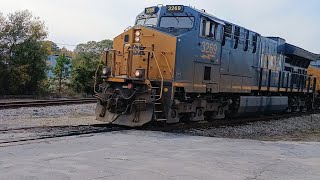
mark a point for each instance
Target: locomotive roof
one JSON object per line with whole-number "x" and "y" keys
{"x": 291, "y": 50}
{"x": 287, "y": 49}
{"x": 221, "y": 21}
{"x": 218, "y": 20}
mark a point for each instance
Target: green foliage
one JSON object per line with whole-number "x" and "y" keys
{"x": 61, "y": 70}
{"x": 51, "y": 47}
{"x": 22, "y": 53}
{"x": 87, "y": 58}
{"x": 93, "y": 47}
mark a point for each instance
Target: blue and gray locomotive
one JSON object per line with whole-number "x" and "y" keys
{"x": 178, "y": 63}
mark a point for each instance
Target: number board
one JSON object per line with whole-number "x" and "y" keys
{"x": 175, "y": 8}
{"x": 151, "y": 10}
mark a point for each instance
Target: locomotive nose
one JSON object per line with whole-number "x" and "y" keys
{"x": 142, "y": 61}
{"x": 143, "y": 53}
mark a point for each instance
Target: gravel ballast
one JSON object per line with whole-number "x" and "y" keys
{"x": 265, "y": 130}
{"x": 81, "y": 114}
{"x": 295, "y": 128}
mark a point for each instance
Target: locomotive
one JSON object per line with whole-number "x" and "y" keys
{"x": 178, "y": 63}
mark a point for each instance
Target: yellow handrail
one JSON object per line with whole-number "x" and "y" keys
{"x": 167, "y": 63}
{"x": 162, "y": 79}
{"x": 159, "y": 69}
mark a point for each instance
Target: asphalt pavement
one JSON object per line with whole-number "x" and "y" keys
{"x": 148, "y": 155}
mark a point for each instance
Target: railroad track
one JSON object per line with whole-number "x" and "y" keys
{"x": 42, "y": 133}
{"x": 181, "y": 127}
{"x": 47, "y": 132}
{"x": 35, "y": 103}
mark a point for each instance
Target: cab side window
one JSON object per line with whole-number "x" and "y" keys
{"x": 208, "y": 28}
{"x": 227, "y": 33}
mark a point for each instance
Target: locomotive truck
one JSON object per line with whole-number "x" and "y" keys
{"x": 178, "y": 63}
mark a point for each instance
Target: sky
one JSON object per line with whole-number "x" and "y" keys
{"x": 71, "y": 22}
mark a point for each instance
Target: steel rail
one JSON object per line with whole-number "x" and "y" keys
{"x": 47, "y": 132}
{"x": 238, "y": 121}
{"x": 35, "y": 103}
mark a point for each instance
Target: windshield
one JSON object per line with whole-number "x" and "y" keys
{"x": 177, "y": 22}
{"x": 152, "y": 21}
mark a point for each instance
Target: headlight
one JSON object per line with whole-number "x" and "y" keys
{"x": 138, "y": 73}
{"x": 138, "y": 33}
{"x": 137, "y": 39}
{"x": 104, "y": 70}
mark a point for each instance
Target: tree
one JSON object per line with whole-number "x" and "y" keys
{"x": 51, "y": 47}
{"x": 22, "y": 53}
{"x": 87, "y": 58}
{"x": 66, "y": 52}
{"x": 94, "y": 47}
{"x": 61, "y": 70}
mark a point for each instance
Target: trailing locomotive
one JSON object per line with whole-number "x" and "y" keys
{"x": 178, "y": 63}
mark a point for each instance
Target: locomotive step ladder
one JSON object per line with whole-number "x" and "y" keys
{"x": 158, "y": 107}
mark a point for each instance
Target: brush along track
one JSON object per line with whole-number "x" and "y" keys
{"x": 40, "y": 133}
{"x": 36, "y": 103}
